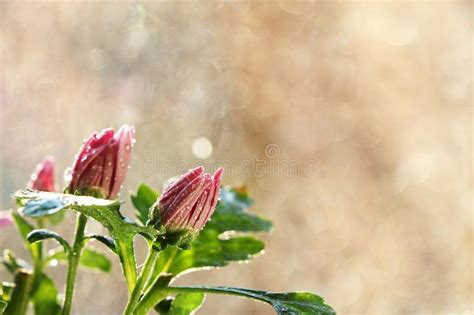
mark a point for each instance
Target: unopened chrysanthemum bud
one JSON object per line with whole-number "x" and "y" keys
{"x": 102, "y": 163}
{"x": 43, "y": 177}
{"x": 5, "y": 219}
{"x": 186, "y": 205}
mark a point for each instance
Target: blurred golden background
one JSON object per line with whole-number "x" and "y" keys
{"x": 375, "y": 97}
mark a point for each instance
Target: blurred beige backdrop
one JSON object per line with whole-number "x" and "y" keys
{"x": 375, "y": 97}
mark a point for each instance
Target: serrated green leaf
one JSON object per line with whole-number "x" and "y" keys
{"x": 143, "y": 200}
{"x": 90, "y": 259}
{"x": 42, "y": 207}
{"x": 24, "y": 227}
{"x": 208, "y": 251}
{"x": 102, "y": 210}
{"x": 186, "y": 303}
{"x": 107, "y": 212}
{"x": 42, "y": 234}
{"x": 44, "y": 296}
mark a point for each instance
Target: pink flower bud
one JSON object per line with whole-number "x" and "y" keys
{"x": 102, "y": 163}
{"x": 188, "y": 202}
{"x": 5, "y": 219}
{"x": 43, "y": 177}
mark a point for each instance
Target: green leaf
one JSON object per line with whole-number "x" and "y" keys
{"x": 44, "y": 296}
{"x": 95, "y": 260}
{"x": 18, "y": 303}
{"x": 231, "y": 214}
{"x": 42, "y": 234}
{"x": 143, "y": 200}
{"x": 186, "y": 303}
{"x": 208, "y": 251}
{"x": 3, "y": 306}
{"x": 107, "y": 241}
{"x": 90, "y": 259}
{"x": 181, "y": 304}
{"x": 215, "y": 246}
{"x": 6, "y": 290}
{"x": 42, "y": 207}
{"x": 102, "y": 210}
{"x": 289, "y": 303}
{"x": 107, "y": 212}
{"x": 24, "y": 227}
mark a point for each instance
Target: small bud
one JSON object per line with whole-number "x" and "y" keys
{"x": 102, "y": 163}
{"x": 43, "y": 177}
{"x": 5, "y": 219}
{"x": 186, "y": 205}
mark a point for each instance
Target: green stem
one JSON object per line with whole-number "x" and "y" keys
{"x": 147, "y": 269}
{"x": 126, "y": 254}
{"x": 74, "y": 258}
{"x": 20, "y": 295}
{"x": 164, "y": 269}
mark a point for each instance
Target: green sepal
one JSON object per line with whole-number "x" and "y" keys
{"x": 179, "y": 238}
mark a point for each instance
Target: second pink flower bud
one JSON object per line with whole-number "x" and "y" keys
{"x": 187, "y": 203}
{"x": 42, "y": 178}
